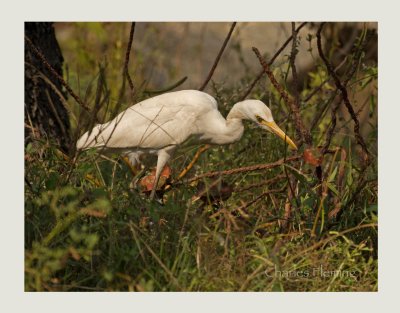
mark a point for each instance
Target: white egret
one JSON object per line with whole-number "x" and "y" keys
{"x": 157, "y": 126}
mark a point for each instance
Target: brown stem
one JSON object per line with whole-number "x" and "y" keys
{"x": 277, "y": 53}
{"x": 262, "y": 183}
{"x": 259, "y": 197}
{"x": 292, "y": 62}
{"x": 332, "y": 127}
{"x": 344, "y": 93}
{"x": 210, "y": 74}
{"x": 300, "y": 128}
{"x": 43, "y": 59}
{"x": 245, "y": 169}
{"x": 127, "y": 54}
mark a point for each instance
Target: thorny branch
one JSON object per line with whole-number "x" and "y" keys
{"x": 210, "y": 74}
{"x": 300, "y": 128}
{"x": 344, "y": 93}
{"x": 43, "y": 59}
{"x": 244, "y": 169}
{"x": 277, "y": 53}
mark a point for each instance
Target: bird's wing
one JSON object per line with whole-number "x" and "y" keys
{"x": 165, "y": 120}
{"x": 154, "y": 128}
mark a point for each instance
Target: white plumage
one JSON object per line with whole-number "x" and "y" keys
{"x": 160, "y": 124}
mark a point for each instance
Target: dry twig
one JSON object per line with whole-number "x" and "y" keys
{"x": 244, "y": 169}
{"x": 277, "y": 53}
{"x": 127, "y": 54}
{"x": 43, "y": 59}
{"x": 210, "y": 74}
{"x": 259, "y": 197}
{"x": 344, "y": 93}
{"x": 300, "y": 128}
{"x": 259, "y": 184}
{"x": 292, "y": 62}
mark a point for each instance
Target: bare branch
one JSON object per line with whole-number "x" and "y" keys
{"x": 277, "y": 53}
{"x": 300, "y": 128}
{"x": 127, "y": 54}
{"x": 331, "y": 128}
{"x": 343, "y": 91}
{"x": 210, "y": 74}
{"x": 256, "y": 199}
{"x": 244, "y": 169}
{"x": 260, "y": 184}
{"x": 292, "y": 62}
{"x": 168, "y": 88}
{"x": 43, "y": 59}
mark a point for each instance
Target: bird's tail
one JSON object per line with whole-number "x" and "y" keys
{"x": 91, "y": 139}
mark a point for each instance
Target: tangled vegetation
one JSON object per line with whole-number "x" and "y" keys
{"x": 308, "y": 223}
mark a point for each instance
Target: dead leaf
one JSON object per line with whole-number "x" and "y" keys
{"x": 94, "y": 213}
{"x": 310, "y": 157}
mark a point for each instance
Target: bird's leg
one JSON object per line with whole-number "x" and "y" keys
{"x": 163, "y": 157}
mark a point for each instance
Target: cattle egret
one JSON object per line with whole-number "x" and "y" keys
{"x": 157, "y": 126}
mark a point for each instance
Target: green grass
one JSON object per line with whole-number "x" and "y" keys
{"x": 98, "y": 234}
{"x": 87, "y": 230}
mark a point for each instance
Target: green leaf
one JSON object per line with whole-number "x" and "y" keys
{"x": 372, "y": 105}
{"x": 333, "y": 174}
{"x": 91, "y": 240}
{"x": 333, "y": 188}
{"x": 372, "y": 208}
{"x": 51, "y": 182}
{"x": 299, "y": 175}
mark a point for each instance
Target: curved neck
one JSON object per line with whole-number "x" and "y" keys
{"x": 236, "y": 112}
{"x": 221, "y": 131}
{"x": 230, "y": 129}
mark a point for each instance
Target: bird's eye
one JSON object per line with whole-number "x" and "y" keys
{"x": 259, "y": 118}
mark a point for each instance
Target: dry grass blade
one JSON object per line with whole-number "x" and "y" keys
{"x": 323, "y": 242}
{"x": 158, "y": 260}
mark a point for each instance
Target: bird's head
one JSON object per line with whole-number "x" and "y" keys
{"x": 258, "y": 112}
